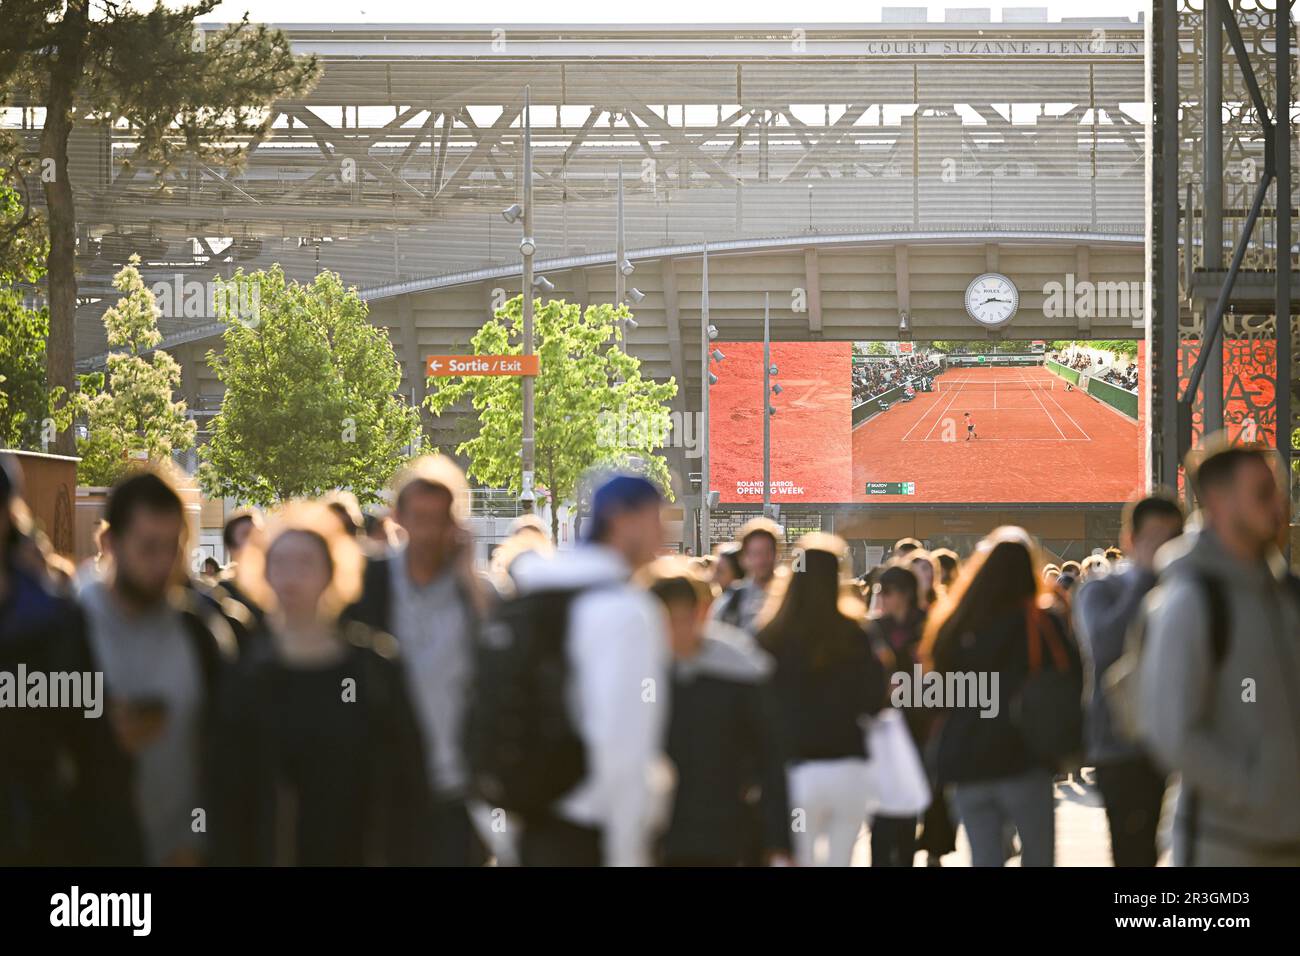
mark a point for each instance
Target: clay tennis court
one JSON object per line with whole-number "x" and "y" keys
{"x": 1037, "y": 442}
{"x": 811, "y": 431}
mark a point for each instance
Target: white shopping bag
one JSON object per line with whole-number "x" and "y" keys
{"x": 899, "y": 787}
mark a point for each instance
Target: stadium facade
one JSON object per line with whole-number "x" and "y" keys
{"x": 859, "y": 175}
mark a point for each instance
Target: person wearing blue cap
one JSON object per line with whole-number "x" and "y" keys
{"x": 618, "y": 651}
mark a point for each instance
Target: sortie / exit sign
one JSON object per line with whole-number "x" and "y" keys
{"x": 440, "y": 365}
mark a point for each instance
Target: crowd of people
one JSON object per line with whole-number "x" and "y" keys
{"x": 1078, "y": 360}
{"x": 1126, "y": 379}
{"x": 875, "y": 377}
{"x": 1081, "y": 361}
{"x": 353, "y": 692}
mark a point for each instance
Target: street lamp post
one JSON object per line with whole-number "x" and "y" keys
{"x": 528, "y": 247}
{"x": 767, "y": 405}
{"x": 770, "y": 371}
{"x": 620, "y": 280}
{"x": 705, "y": 372}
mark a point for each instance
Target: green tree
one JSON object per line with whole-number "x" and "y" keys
{"x": 136, "y": 416}
{"x": 591, "y": 405}
{"x": 26, "y": 401}
{"x": 311, "y": 399}
{"x": 178, "y": 90}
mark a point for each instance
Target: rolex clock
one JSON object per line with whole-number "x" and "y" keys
{"x": 991, "y": 300}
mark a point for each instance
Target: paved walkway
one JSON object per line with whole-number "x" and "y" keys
{"x": 1082, "y": 838}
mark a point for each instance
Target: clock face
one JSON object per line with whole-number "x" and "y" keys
{"x": 992, "y": 299}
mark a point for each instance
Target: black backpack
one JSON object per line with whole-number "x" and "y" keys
{"x": 1047, "y": 710}
{"x": 524, "y": 752}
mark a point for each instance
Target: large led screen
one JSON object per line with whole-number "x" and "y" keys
{"x": 906, "y": 422}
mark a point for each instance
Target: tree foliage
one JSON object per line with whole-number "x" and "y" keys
{"x": 310, "y": 402}
{"x": 27, "y": 403}
{"x": 136, "y": 415}
{"x": 177, "y": 89}
{"x": 591, "y": 405}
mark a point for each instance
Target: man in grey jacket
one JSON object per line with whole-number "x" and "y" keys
{"x": 1224, "y": 711}
{"x": 1104, "y": 609}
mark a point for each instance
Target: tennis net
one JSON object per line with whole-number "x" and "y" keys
{"x": 997, "y": 385}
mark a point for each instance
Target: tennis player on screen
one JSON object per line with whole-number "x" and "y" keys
{"x": 970, "y": 426}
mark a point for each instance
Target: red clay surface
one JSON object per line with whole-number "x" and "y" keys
{"x": 811, "y": 431}
{"x": 1037, "y": 443}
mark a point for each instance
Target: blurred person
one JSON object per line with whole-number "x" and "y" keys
{"x": 210, "y": 569}
{"x": 1219, "y": 686}
{"x": 827, "y": 681}
{"x": 721, "y": 739}
{"x": 163, "y": 651}
{"x": 703, "y": 565}
{"x": 1093, "y": 566}
{"x": 317, "y": 757}
{"x": 347, "y": 509}
{"x": 1131, "y": 786}
{"x": 741, "y": 604}
{"x": 948, "y": 565}
{"x": 67, "y": 798}
{"x": 241, "y": 528}
{"x": 896, "y": 631}
{"x": 90, "y": 569}
{"x": 427, "y": 595}
{"x": 923, "y": 566}
{"x": 727, "y": 571}
{"x": 1072, "y": 568}
{"x": 527, "y": 541}
{"x": 904, "y": 546}
{"x": 1114, "y": 555}
{"x": 378, "y": 532}
{"x": 528, "y": 525}
{"x": 987, "y": 625}
{"x": 610, "y": 816}
{"x": 938, "y": 836}
{"x": 1050, "y": 573}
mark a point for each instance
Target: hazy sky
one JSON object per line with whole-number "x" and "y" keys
{"x": 630, "y": 11}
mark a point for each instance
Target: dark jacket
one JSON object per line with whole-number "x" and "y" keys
{"x": 972, "y": 747}
{"x": 372, "y": 805}
{"x": 1104, "y": 610}
{"x": 723, "y": 741}
{"x": 374, "y": 608}
{"x": 65, "y": 784}
{"x": 821, "y": 703}
{"x": 896, "y": 644}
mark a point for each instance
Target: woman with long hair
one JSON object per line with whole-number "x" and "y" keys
{"x": 926, "y": 568}
{"x": 826, "y": 683}
{"x": 317, "y": 757}
{"x": 984, "y": 630}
